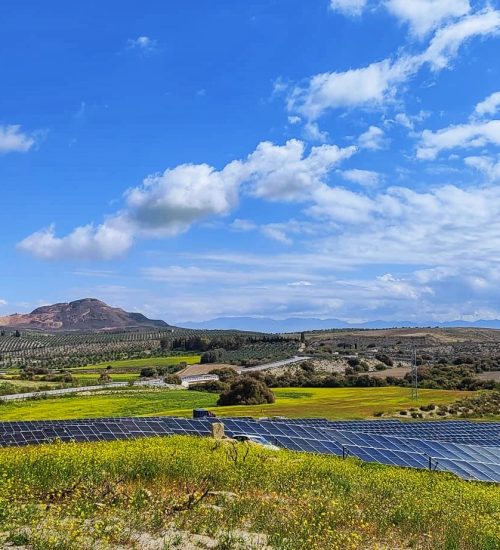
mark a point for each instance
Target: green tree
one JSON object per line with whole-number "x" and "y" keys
{"x": 246, "y": 390}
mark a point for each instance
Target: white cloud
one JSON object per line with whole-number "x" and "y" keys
{"x": 367, "y": 178}
{"x": 371, "y": 85}
{"x": 313, "y": 132}
{"x": 12, "y": 139}
{"x": 425, "y": 15}
{"x": 169, "y": 203}
{"x": 379, "y": 82}
{"x": 3, "y": 302}
{"x": 348, "y": 7}
{"x": 489, "y": 166}
{"x": 447, "y": 41}
{"x": 372, "y": 139}
{"x": 408, "y": 121}
{"x": 286, "y": 173}
{"x": 449, "y": 225}
{"x": 475, "y": 134}
{"x": 276, "y": 233}
{"x": 143, "y": 43}
{"x": 341, "y": 205}
{"x": 300, "y": 283}
{"x": 489, "y": 106}
{"x": 103, "y": 242}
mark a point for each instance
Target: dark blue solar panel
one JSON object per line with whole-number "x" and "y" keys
{"x": 468, "y": 449}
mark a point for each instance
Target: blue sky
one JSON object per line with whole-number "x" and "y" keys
{"x": 193, "y": 159}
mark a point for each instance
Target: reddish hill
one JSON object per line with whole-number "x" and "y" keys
{"x": 80, "y": 315}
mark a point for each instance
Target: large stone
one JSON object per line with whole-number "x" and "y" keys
{"x": 218, "y": 430}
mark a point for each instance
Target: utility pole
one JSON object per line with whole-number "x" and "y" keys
{"x": 414, "y": 376}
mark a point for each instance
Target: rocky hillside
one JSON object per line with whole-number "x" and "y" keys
{"x": 81, "y": 315}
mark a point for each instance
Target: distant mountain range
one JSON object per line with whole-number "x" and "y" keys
{"x": 298, "y": 324}
{"x": 81, "y": 315}
{"x": 90, "y": 314}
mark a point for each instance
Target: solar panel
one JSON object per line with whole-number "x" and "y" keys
{"x": 470, "y": 450}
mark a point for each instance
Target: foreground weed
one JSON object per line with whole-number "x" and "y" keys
{"x": 107, "y": 495}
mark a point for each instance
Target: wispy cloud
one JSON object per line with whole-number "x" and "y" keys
{"x": 144, "y": 44}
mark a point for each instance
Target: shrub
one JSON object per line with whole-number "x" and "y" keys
{"x": 172, "y": 379}
{"x": 212, "y": 356}
{"x": 104, "y": 377}
{"x": 213, "y": 386}
{"x": 246, "y": 390}
{"x": 148, "y": 372}
{"x": 383, "y": 358}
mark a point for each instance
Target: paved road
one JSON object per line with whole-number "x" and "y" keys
{"x": 276, "y": 364}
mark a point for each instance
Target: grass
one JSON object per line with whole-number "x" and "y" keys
{"x": 338, "y": 403}
{"x": 145, "y": 362}
{"x": 29, "y": 384}
{"x": 333, "y": 403}
{"x": 129, "y": 494}
{"x": 136, "y": 402}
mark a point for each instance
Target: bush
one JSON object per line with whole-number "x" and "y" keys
{"x": 246, "y": 390}
{"x": 104, "y": 377}
{"x": 213, "y": 386}
{"x": 172, "y": 379}
{"x": 148, "y": 372}
{"x": 212, "y": 356}
{"x": 383, "y": 358}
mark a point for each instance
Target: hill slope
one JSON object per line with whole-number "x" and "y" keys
{"x": 80, "y": 315}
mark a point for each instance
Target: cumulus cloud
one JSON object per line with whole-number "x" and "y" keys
{"x": 169, "y": 203}
{"x": 425, "y": 15}
{"x": 372, "y": 139}
{"x": 489, "y": 106}
{"x": 12, "y": 139}
{"x": 348, "y": 7}
{"x": 286, "y": 173}
{"x": 106, "y": 241}
{"x": 474, "y": 134}
{"x": 378, "y": 83}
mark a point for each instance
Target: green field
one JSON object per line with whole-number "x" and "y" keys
{"x": 164, "y": 492}
{"x": 333, "y": 403}
{"x": 146, "y": 362}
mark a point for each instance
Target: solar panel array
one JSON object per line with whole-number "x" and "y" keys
{"x": 471, "y": 450}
